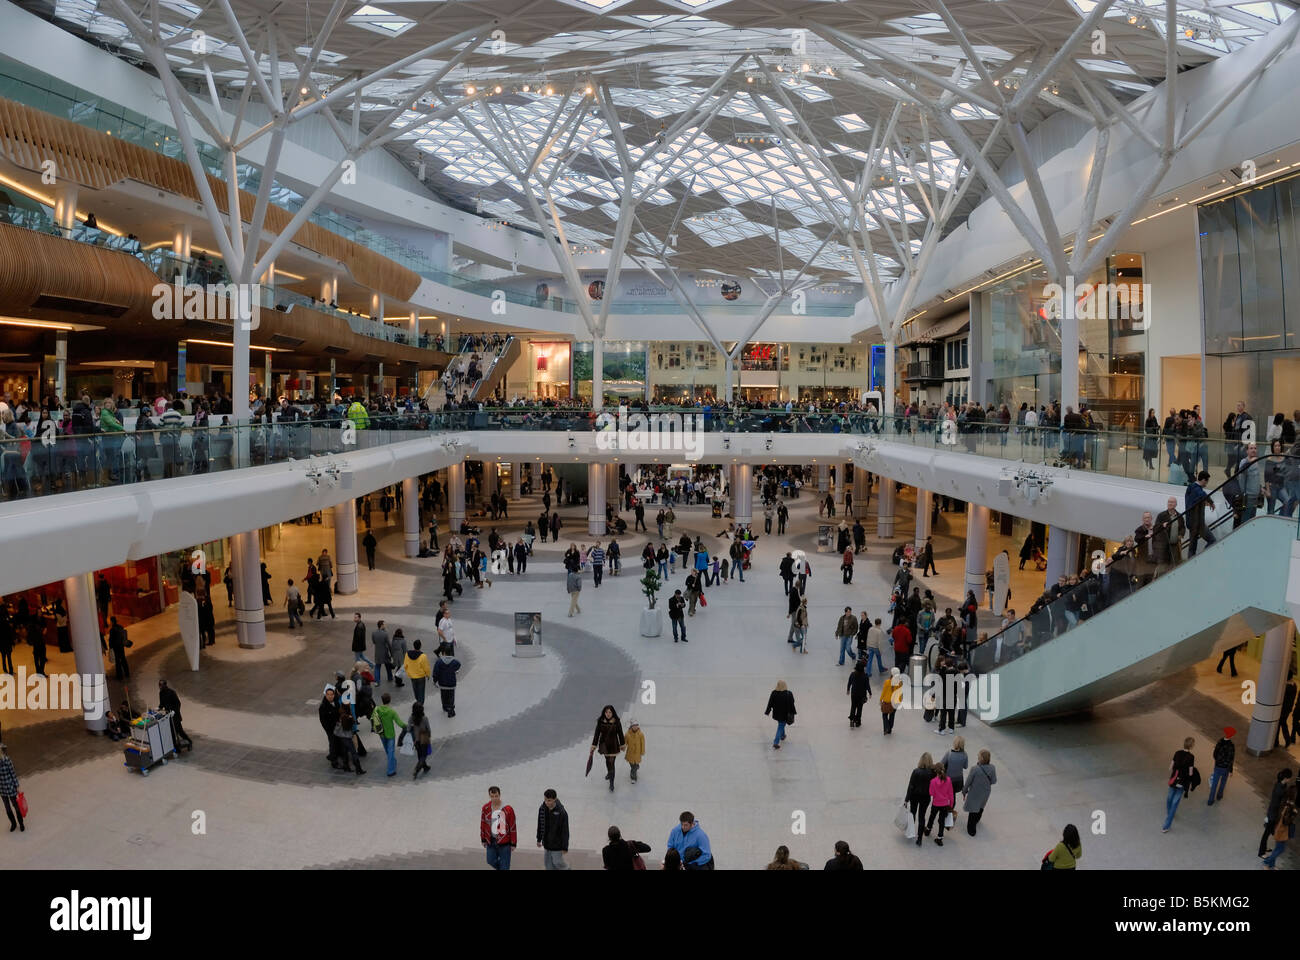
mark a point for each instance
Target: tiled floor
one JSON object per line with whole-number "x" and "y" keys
{"x": 257, "y": 790}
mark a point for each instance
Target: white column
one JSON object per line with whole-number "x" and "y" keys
{"x": 742, "y": 494}
{"x": 516, "y": 480}
{"x": 65, "y": 204}
{"x": 977, "y": 548}
{"x": 345, "y": 546}
{"x": 888, "y": 390}
{"x": 861, "y": 492}
{"x": 377, "y": 306}
{"x": 596, "y": 499}
{"x": 823, "y": 479}
{"x": 924, "y": 505}
{"x": 61, "y": 364}
{"x": 598, "y": 372}
{"x": 413, "y": 328}
{"x": 411, "y": 516}
{"x": 1062, "y": 554}
{"x": 1273, "y": 666}
{"x": 489, "y": 480}
{"x": 83, "y": 623}
{"x": 455, "y": 496}
{"x": 612, "y": 492}
{"x": 885, "y": 508}
{"x": 1069, "y": 361}
{"x": 181, "y": 239}
{"x": 246, "y": 571}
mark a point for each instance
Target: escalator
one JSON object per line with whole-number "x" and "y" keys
{"x": 497, "y": 365}
{"x": 1103, "y": 638}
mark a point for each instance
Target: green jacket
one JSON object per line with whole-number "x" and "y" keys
{"x": 108, "y": 422}
{"x": 385, "y": 717}
{"x": 358, "y": 414}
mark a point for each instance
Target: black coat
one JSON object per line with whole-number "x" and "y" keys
{"x": 608, "y": 738}
{"x": 859, "y": 686}
{"x": 329, "y": 715}
{"x": 359, "y": 638}
{"x": 918, "y": 787}
{"x": 617, "y": 854}
{"x": 553, "y": 827}
{"x": 781, "y": 706}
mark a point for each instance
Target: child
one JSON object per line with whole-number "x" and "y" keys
{"x": 713, "y": 580}
{"x": 634, "y": 741}
{"x": 726, "y": 571}
{"x": 672, "y": 563}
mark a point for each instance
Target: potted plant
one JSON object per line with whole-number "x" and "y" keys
{"x": 652, "y": 622}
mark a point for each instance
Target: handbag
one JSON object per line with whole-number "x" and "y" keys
{"x": 22, "y": 803}
{"x": 902, "y": 817}
{"x": 1047, "y": 864}
{"x": 637, "y": 862}
{"x": 949, "y": 821}
{"x": 703, "y": 602}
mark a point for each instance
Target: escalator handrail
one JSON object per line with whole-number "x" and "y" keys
{"x": 1082, "y": 587}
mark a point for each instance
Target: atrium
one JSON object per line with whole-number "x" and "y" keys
{"x": 351, "y": 352}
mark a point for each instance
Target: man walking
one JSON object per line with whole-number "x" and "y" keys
{"x": 1225, "y": 752}
{"x": 927, "y": 558}
{"x": 383, "y": 653}
{"x": 444, "y": 677}
{"x": 384, "y": 721}
{"x": 117, "y": 644}
{"x": 1194, "y": 503}
{"x": 597, "y": 558}
{"x": 497, "y": 830}
{"x": 676, "y": 615}
{"x": 787, "y": 571}
{"x": 573, "y": 584}
{"x": 782, "y": 515}
{"x": 847, "y": 631}
{"x": 553, "y": 831}
{"x": 359, "y": 640}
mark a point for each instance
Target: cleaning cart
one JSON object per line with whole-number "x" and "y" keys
{"x": 152, "y": 741}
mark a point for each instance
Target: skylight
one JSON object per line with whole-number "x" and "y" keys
{"x": 378, "y": 20}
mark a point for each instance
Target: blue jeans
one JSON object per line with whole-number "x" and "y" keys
{"x": 417, "y": 690}
{"x": 1169, "y": 448}
{"x": 780, "y": 733}
{"x": 1171, "y": 804}
{"x": 1279, "y": 847}
{"x": 874, "y": 654}
{"x": 739, "y": 570}
{"x": 498, "y": 855}
{"x": 379, "y": 668}
{"x": 846, "y": 647}
{"x": 390, "y": 750}
{"x": 799, "y": 634}
{"x": 663, "y": 569}
{"x": 1218, "y": 779}
{"x": 676, "y": 625}
{"x": 294, "y": 619}
{"x": 358, "y": 655}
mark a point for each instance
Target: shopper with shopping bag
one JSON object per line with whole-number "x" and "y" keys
{"x": 14, "y": 801}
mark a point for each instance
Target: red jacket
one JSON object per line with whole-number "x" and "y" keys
{"x": 902, "y": 639}
{"x": 485, "y": 824}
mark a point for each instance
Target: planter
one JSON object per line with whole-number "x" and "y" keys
{"x": 652, "y": 622}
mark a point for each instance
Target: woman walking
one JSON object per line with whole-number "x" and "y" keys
{"x": 780, "y": 705}
{"x": 9, "y": 792}
{"x": 918, "y": 793}
{"x": 417, "y": 725}
{"x": 977, "y": 789}
{"x": 955, "y": 763}
{"x": 1066, "y": 854}
{"x": 1282, "y": 833}
{"x": 609, "y": 739}
{"x": 892, "y": 682}
{"x": 801, "y": 625}
{"x": 859, "y": 688}
{"x": 941, "y": 801}
{"x": 1181, "y": 771}
{"x": 345, "y": 736}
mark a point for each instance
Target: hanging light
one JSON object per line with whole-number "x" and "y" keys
{"x": 470, "y": 90}
{"x": 497, "y": 88}
{"x": 526, "y": 88}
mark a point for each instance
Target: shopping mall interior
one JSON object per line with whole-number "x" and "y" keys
{"x": 833, "y": 358}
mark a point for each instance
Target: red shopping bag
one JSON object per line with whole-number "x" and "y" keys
{"x": 22, "y": 804}
{"x": 703, "y": 602}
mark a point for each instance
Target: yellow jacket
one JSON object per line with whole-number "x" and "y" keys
{"x": 887, "y": 695}
{"x": 417, "y": 668}
{"x": 634, "y": 741}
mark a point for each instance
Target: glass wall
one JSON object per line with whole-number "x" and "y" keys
{"x": 624, "y": 368}
{"x": 1250, "y": 279}
{"x": 1025, "y": 341}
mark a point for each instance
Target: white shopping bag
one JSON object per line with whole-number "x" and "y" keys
{"x": 408, "y": 747}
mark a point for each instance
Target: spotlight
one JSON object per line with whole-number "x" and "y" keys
{"x": 526, "y": 88}
{"x": 572, "y": 443}
{"x": 497, "y": 88}
{"x": 470, "y": 90}
{"x": 726, "y": 443}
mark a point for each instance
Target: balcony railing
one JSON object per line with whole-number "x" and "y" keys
{"x": 923, "y": 370}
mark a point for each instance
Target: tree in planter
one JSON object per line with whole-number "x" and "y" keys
{"x": 651, "y": 585}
